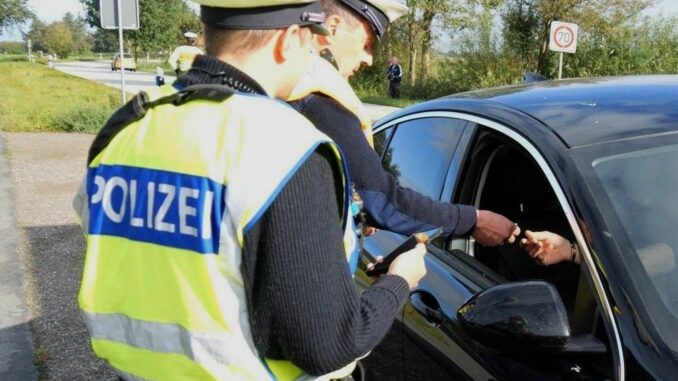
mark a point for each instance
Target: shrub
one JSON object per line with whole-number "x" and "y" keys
{"x": 13, "y": 58}
{"x": 87, "y": 119}
{"x": 37, "y": 98}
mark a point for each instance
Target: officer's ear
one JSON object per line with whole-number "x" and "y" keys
{"x": 332, "y": 23}
{"x": 289, "y": 42}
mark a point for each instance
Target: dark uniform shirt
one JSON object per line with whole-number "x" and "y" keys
{"x": 388, "y": 205}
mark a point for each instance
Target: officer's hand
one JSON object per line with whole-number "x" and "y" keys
{"x": 410, "y": 265}
{"x": 493, "y": 229}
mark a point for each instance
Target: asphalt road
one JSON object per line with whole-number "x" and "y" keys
{"x": 45, "y": 170}
{"x": 136, "y": 81}
{"x": 100, "y": 71}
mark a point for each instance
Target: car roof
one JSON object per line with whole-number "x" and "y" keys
{"x": 584, "y": 111}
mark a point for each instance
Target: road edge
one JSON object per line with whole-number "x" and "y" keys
{"x": 16, "y": 340}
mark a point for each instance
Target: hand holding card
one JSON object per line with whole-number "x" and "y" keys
{"x": 381, "y": 265}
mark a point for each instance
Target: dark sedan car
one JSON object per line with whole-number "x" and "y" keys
{"x": 594, "y": 160}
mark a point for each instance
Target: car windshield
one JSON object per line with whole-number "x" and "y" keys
{"x": 638, "y": 181}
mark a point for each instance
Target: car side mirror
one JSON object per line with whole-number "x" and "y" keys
{"x": 527, "y": 315}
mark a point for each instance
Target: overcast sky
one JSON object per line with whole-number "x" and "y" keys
{"x": 53, "y": 10}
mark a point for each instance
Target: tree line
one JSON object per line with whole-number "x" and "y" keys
{"x": 495, "y": 42}
{"x": 445, "y": 46}
{"x": 162, "y": 24}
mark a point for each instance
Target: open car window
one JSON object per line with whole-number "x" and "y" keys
{"x": 502, "y": 177}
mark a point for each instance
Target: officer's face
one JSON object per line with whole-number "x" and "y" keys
{"x": 352, "y": 47}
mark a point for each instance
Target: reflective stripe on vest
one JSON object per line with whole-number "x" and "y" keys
{"x": 162, "y": 292}
{"x": 322, "y": 77}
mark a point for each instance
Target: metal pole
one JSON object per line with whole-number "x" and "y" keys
{"x": 122, "y": 54}
{"x": 560, "y": 65}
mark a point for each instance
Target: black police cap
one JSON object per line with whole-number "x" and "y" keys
{"x": 303, "y": 13}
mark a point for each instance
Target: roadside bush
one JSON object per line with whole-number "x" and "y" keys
{"x": 13, "y": 58}
{"x": 12, "y": 47}
{"x": 87, "y": 119}
{"x": 37, "y": 98}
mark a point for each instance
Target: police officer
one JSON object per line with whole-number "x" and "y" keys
{"x": 395, "y": 76}
{"x": 217, "y": 220}
{"x": 182, "y": 57}
{"x": 326, "y": 99}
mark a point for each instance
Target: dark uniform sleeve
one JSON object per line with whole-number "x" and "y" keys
{"x": 389, "y": 206}
{"x": 302, "y": 302}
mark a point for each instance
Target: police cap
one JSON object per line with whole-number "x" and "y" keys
{"x": 262, "y": 14}
{"x": 378, "y": 13}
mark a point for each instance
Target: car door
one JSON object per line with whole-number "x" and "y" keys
{"x": 492, "y": 171}
{"x": 433, "y": 348}
{"x": 400, "y": 148}
{"x": 432, "y": 343}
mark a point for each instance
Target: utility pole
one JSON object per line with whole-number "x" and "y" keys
{"x": 122, "y": 54}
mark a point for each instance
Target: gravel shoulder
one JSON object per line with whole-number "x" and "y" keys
{"x": 46, "y": 169}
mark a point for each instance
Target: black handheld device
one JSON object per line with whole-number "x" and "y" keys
{"x": 381, "y": 265}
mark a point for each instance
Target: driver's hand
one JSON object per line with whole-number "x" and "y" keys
{"x": 546, "y": 248}
{"x": 493, "y": 229}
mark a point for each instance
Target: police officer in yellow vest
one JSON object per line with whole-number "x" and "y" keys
{"x": 182, "y": 57}
{"x": 217, "y": 220}
{"x": 325, "y": 97}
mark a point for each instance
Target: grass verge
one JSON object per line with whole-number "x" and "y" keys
{"x": 377, "y": 99}
{"x": 149, "y": 67}
{"x": 37, "y": 98}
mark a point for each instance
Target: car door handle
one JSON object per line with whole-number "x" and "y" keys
{"x": 427, "y": 306}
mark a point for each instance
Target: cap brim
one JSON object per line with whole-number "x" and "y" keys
{"x": 375, "y": 17}
{"x": 272, "y": 17}
{"x": 318, "y": 29}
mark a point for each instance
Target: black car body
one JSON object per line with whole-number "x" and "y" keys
{"x": 594, "y": 160}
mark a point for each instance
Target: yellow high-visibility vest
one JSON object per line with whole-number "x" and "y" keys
{"x": 166, "y": 205}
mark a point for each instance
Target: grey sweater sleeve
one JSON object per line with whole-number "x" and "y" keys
{"x": 302, "y": 302}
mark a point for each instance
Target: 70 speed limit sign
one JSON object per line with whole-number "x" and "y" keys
{"x": 563, "y": 37}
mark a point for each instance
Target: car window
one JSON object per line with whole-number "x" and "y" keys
{"x": 634, "y": 180}
{"x": 420, "y": 152}
{"x": 381, "y": 140}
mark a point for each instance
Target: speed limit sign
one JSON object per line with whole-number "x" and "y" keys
{"x": 563, "y": 37}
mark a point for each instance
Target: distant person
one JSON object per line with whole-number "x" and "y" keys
{"x": 182, "y": 57}
{"x": 395, "y": 75}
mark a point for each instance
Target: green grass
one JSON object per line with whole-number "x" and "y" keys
{"x": 13, "y": 58}
{"x": 37, "y": 98}
{"x": 149, "y": 67}
{"x": 385, "y": 100}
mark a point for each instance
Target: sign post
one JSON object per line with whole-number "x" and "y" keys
{"x": 563, "y": 38}
{"x": 122, "y": 54}
{"x": 29, "y": 44}
{"x": 114, "y": 16}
